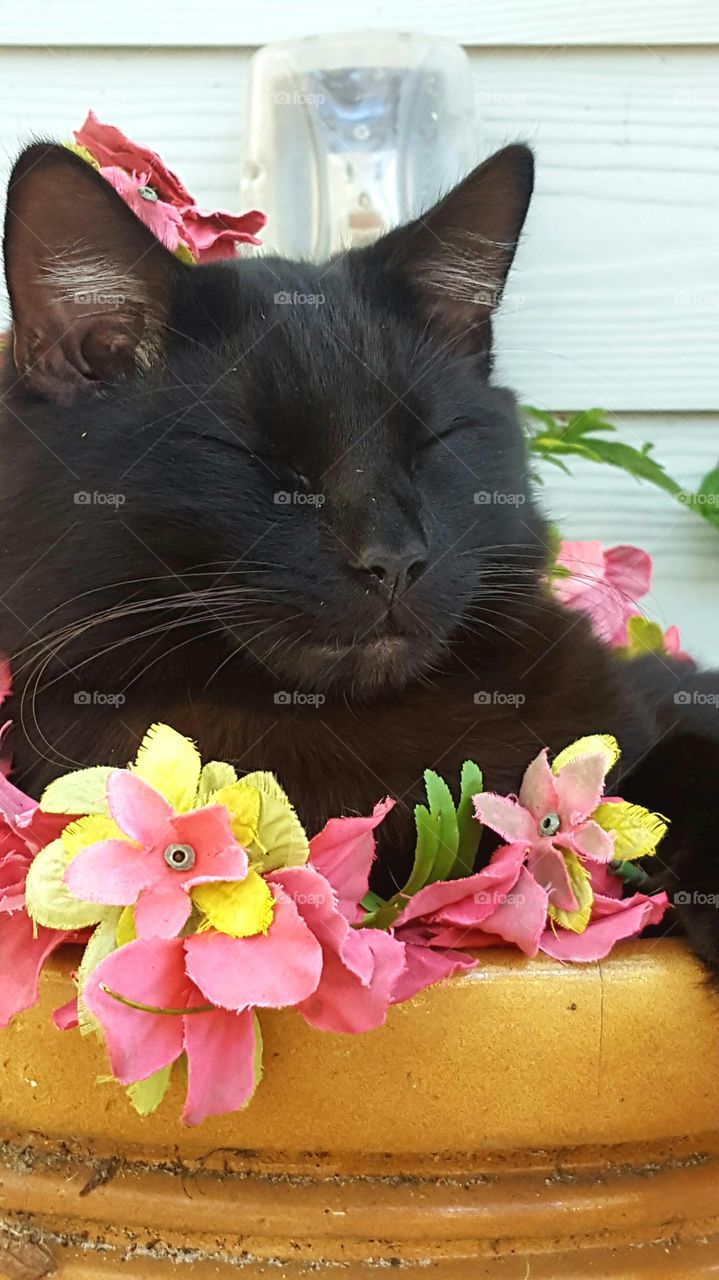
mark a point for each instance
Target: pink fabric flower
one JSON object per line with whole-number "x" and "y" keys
{"x": 220, "y": 1045}
{"x": 612, "y": 920}
{"x": 139, "y": 175}
{"x": 359, "y": 966}
{"x": 502, "y": 903}
{"x": 23, "y": 950}
{"x": 604, "y": 584}
{"x": 165, "y": 855}
{"x": 265, "y": 970}
{"x": 552, "y": 813}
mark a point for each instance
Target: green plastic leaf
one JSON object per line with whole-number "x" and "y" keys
{"x": 706, "y": 498}
{"x": 469, "y": 828}
{"x": 425, "y": 850}
{"x": 441, "y": 808}
{"x": 84, "y": 791}
{"x": 213, "y": 776}
{"x": 146, "y": 1095}
{"x": 47, "y": 898}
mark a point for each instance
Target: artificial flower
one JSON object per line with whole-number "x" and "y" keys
{"x": 24, "y": 948}
{"x": 605, "y": 584}
{"x": 160, "y": 200}
{"x": 165, "y": 837}
{"x": 553, "y": 819}
{"x": 151, "y": 1012}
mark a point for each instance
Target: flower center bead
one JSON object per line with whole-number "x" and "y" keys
{"x": 147, "y": 193}
{"x": 181, "y": 857}
{"x": 549, "y": 825}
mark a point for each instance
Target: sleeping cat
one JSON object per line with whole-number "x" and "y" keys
{"x": 283, "y": 507}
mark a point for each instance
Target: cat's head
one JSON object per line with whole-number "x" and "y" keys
{"x": 306, "y": 467}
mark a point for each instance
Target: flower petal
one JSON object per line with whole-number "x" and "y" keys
{"x": 89, "y": 830}
{"x": 209, "y": 832}
{"x": 223, "y": 1062}
{"x": 580, "y": 785}
{"x": 424, "y": 967}
{"x": 612, "y": 920}
{"x": 317, "y": 903}
{"x": 150, "y": 971}
{"x": 549, "y": 867}
{"x": 342, "y": 1002}
{"x": 240, "y": 908}
{"x": 467, "y": 901}
{"x": 171, "y": 764}
{"x": 270, "y": 970}
{"x": 538, "y": 792}
{"x": 47, "y": 897}
{"x": 281, "y": 838}
{"x": 589, "y": 840}
{"x": 139, "y": 810}
{"x": 162, "y": 911}
{"x": 84, "y": 791}
{"x": 522, "y": 916}
{"x": 22, "y": 956}
{"x": 344, "y": 851}
{"x": 636, "y": 831}
{"x": 578, "y": 919}
{"x": 629, "y": 570}
{"x": 505, "y": 815}
{"x": 111, "y": 872}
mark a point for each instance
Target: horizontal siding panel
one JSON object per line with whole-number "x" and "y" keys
{"x": 477, "y": 22}
{"x": 614, "y": 299}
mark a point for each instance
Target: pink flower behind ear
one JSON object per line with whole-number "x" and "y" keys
{"x": 606, "y": 585}
{"x": 156, "y": 195}
{"x": 110, "y": 146}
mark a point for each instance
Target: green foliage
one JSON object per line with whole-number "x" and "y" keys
{"x": 447, "y": 842}
{"x": 588, "y": 435}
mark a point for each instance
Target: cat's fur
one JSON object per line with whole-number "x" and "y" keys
{"x": 305, "y": 533}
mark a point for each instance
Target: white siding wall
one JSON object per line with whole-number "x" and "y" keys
{"x": 615, "y": 296}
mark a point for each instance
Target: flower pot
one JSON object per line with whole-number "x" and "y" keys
{"x": 529, "y": 1121}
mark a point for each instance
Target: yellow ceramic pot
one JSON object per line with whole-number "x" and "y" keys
{"x": 529, "y": 1121}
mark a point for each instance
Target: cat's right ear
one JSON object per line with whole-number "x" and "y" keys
{"x": 89, "y": 284}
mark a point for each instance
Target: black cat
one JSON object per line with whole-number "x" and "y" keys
{"x": 282, "y": 507}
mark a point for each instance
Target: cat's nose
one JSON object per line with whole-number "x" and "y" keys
{"x": 395, "y": 570}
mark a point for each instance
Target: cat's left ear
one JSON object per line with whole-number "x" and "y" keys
{"x": 89, "y": 284}
{"x": 456, "y": 257}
